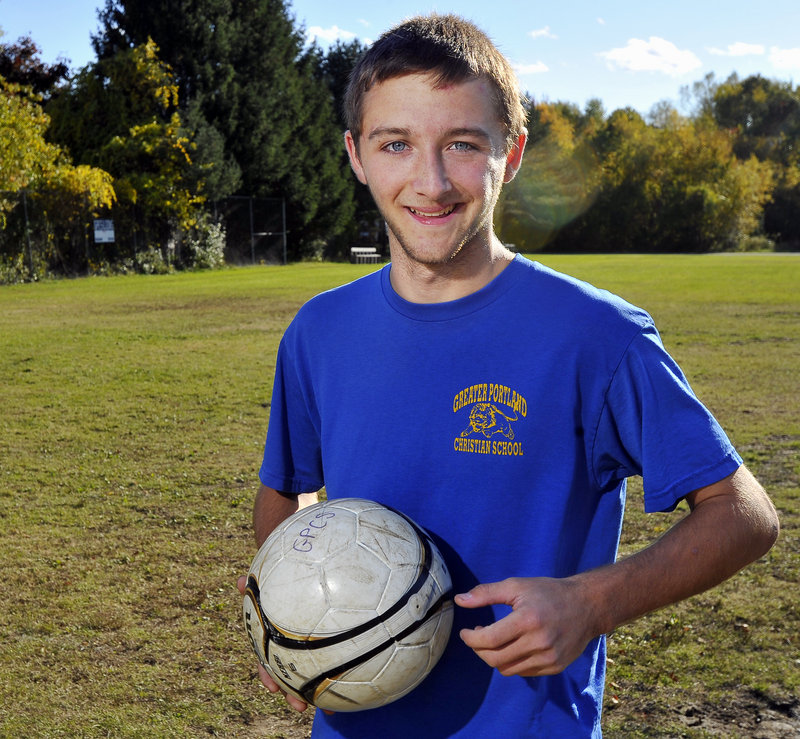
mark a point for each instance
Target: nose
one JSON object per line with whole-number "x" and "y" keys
{"x": 431, "y": 178}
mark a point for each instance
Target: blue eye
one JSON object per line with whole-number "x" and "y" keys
{"x": 396, "y": 146}
{"x": 461, "y": 146}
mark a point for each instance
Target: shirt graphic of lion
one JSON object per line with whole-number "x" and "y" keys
{"x": 488, "y": 419}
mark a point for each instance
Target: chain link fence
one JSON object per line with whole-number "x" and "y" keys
{"x": 255, "y": 229}
{"x": 236, "y": 230}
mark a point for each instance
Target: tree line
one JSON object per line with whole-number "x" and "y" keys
{"x": 725, "y": 177}
{"x": 189, "y": 103}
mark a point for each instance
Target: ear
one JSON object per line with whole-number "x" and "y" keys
{"x": 355, "y": 161}
{"x": 514, "y": 157}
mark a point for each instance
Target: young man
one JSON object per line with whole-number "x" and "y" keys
{"x": 499, "y": 404}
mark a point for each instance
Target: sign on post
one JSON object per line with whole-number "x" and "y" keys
{"x": 103, "y": 231}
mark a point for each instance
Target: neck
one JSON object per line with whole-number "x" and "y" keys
{"x": 463, "y": 274}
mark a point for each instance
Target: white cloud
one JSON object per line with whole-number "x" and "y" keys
{"x": 653, "y": 55}
{"x": 526, "y": 69}
{"x": 738, "y": 49}
{"x": 601, "y": 21}
{"x": 329, "y": 34}
{"x": 542, "y": 33}
{"x": 785, "y": 59}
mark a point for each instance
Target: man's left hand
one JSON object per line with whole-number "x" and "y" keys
{"x": 548, "y": 628}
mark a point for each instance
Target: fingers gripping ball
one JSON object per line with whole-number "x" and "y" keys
{"x": 348, "y": 605}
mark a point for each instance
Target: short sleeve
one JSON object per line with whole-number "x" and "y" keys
{"x": 292, "y": 460}
{"x": 653, "y": 425}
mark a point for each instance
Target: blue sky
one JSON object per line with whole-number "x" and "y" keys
{"x": 623, "y": 52}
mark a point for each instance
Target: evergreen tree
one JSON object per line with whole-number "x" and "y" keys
{"x": 213, "y": 169}
{"x": 333, "y": 68}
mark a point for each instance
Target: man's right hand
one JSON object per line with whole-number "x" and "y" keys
{"x": 269, "y": 510}
{"x": 266, "y": 678}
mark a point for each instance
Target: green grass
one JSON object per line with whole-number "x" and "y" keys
{"x": 131, "y": 427}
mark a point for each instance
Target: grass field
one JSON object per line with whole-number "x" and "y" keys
{"x": 132, "y": 420}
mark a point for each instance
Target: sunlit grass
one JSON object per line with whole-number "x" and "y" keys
{"x": 132, "y": 421}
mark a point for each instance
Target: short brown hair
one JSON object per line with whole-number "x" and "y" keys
{"x": 449, "y": 48}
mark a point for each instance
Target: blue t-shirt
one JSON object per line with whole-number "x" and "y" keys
{"x": 506, "y": 424}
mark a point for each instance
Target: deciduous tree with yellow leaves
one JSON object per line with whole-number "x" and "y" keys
{"x": 33, "y": 168}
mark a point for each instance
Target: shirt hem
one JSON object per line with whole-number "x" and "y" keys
{"x": 667, "y": 500}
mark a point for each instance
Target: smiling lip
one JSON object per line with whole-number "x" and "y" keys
{"x": 433, "y": 213}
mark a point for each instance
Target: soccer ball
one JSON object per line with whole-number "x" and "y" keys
{"x": 348, "y": 604}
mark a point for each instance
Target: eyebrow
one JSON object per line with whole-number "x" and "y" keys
{"x": 477, "y": 133}
{"x": 382, "y": 131}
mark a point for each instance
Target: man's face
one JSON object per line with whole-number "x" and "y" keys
{"x": 435, "y": 161}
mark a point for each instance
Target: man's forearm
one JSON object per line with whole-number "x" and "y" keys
{"x": 272, "y": 507}
{"x": 731, "y": 524}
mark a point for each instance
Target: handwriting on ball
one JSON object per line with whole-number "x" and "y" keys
{"x": 305, "y": 539}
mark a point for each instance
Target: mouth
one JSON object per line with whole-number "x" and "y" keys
{"x": 443, "y": 213}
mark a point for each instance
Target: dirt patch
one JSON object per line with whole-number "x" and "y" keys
{"x": 287, "y": 725}
{"x": 752, "y": 718}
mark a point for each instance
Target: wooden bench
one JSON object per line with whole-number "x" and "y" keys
{"x": 364, "y": 255}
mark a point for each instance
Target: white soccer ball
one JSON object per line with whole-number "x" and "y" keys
{"x": 348, "y": 604}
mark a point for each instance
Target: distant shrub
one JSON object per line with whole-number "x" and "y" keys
{"x": 755, "y": 243}
{"x": 205, "y": 247}
{"x": 17, "y": 268}
{"x": 13, "y": 269}
{"x": 151, "y": 262}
